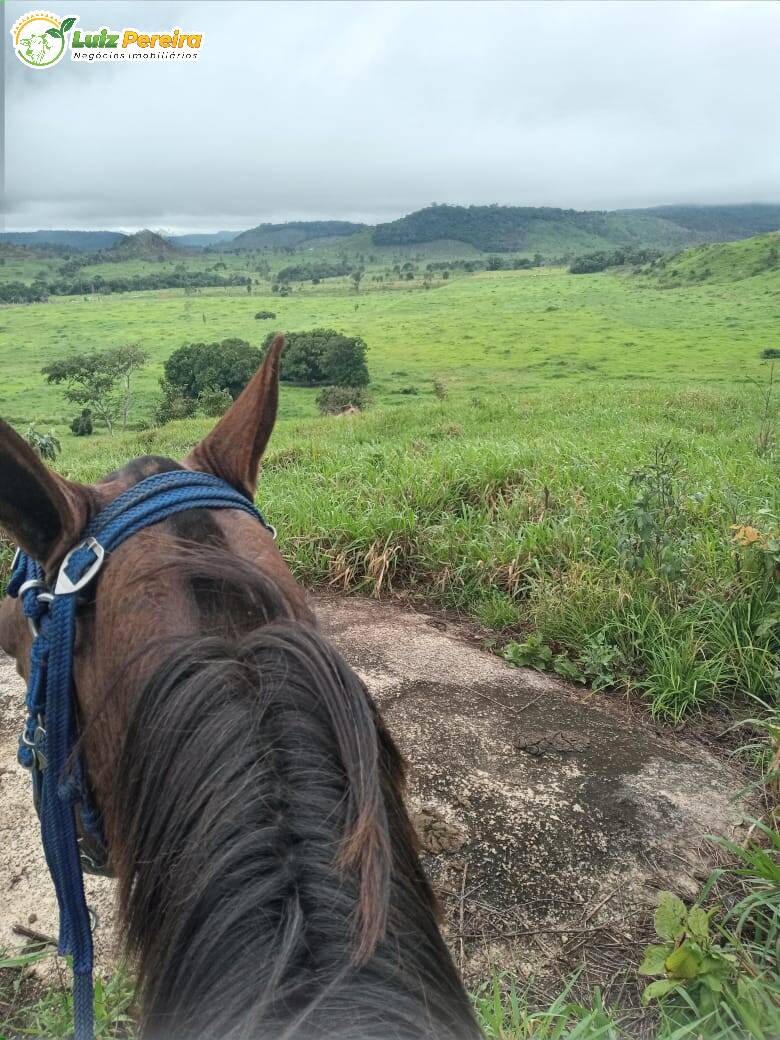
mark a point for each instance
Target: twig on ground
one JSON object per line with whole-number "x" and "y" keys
{"x": 32, "y": 935}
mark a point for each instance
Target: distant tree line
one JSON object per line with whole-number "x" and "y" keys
{"x": 18, "y": 292}
{"x": 313, "y": 271}
{"x": 592, "y": 262}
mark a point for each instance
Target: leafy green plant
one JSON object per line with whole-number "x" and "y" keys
{"x": 602, "y": 663}
{"x": 533, "y": 653}
{"x": 46, "y": 444}
{"x": 568, "y": 669}
{"x": 688, "y": 958}
{"x": 654, "y": 536}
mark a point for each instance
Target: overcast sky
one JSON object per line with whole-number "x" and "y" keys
{"x": 365, "y": 111}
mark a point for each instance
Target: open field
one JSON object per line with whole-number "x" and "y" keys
{"x": 513, "y": 331}
{"x": 511, "y": 498}
{"x": 586, "y": 464}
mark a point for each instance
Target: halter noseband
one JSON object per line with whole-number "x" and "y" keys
{"x": 50, "y": 736}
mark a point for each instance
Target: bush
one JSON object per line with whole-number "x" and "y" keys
{"x": 82, "y": 424}
{"x": 770, "y": 353}
{"x": 172, "y": 404}
{"x": 197, "y": 367}
{"x": 261, "y": 315}
{"x": 213, "y": 402}
{"x": 45, "y": 444}
{"x": 323, "y": 356}
{"x": 335, "y": 399}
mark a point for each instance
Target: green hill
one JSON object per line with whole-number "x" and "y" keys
{"x": 143, "y": 245}
{"x": 295, "y": 233}
{"x": 718, "y": 262}
{"x": 81, "y": 241}
{"x": 200, "y": 240}
{"x": 720, "y": 223}
{"x": 552, "y": 232}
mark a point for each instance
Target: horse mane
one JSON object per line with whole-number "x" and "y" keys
{"x": 269, "y": 878}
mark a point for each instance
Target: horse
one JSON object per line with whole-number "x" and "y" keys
{"x": 269, "y": 884}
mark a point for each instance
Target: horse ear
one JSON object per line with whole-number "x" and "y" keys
{"x": 235, "y": 446}
{"x": 41, "y": 511}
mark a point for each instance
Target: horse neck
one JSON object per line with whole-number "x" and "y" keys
{"x": 268, "y": 879}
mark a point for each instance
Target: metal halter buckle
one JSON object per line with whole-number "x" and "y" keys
{"x": 65, "y": 586}
{"x": 44, "y": 597}
{"x": 35, "y": 745}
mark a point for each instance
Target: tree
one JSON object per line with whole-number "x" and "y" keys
{"x": 197, "y": 367}
{"x": 357, "y": 277}
{"x": 323, "y": 356}
{"x": 129, "y": 360}
{"x": 100, "y": 380}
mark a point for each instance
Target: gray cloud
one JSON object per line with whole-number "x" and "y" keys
{"x": 368, "y": 110}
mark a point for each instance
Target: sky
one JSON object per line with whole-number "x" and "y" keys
{"x": 365, "y": 111}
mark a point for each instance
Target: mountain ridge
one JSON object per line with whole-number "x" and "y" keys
{"x": 551, "y": 231}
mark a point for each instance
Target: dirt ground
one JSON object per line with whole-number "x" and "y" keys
{"x": 549, "y": 816}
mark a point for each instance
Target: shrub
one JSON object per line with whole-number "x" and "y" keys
{"x": 82, "y": 424}
{"x": 213, "y": 402}
{"x": 46, "y": 444}
{"x": 334, "y": 399}
{"x": 198, "y": 367}
{"x": 323, "y": 356}
{"x": 172, "y": 404}
{"x": 770, "y": 353}
{"x": 262, "y": 315}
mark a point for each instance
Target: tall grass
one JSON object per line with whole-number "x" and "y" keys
{"x": 524, "y": 513}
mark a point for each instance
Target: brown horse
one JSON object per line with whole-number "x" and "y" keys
{"x": 268, "y": 880}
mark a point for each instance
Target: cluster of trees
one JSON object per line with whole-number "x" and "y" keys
{"x": 323, "y": 357}
{"x": 88, "y": 284}
{"x": 205, "y": 378}
{"x": 312, "y": 272}
{"x": 18, "y": 292}
{"x": 514, "y": 263}
{"x": 592, "y": 262}
{"x": 724, "y": 221}
{"x": 498, "y": 229}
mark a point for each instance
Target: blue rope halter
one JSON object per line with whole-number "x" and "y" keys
{"x": 50, "y": 734}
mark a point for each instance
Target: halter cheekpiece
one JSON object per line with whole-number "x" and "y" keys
{"x": 71, "y": 825}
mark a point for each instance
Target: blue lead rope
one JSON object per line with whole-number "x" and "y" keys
{"x": 50, "y": 734}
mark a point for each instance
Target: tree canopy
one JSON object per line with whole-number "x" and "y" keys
{"x": 321, "y": 357}
{"x": 197, "y": 367}
{"x": 100, "y": 380}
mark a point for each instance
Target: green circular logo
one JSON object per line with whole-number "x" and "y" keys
{"x": 39, "y": 38}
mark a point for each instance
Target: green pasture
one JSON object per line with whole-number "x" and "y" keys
{"x": 595, "y": 480}
{"x": 508, "y": 331}
{"x": 493, "y": 474}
